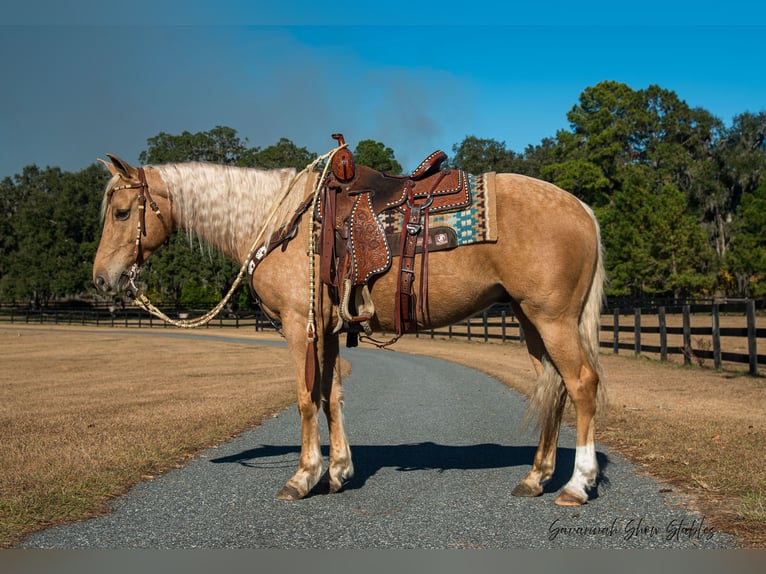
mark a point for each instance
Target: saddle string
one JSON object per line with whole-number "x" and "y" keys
{"x": 311, "y": 324}
{"x": 144, "y": 303}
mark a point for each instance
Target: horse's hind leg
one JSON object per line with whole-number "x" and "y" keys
{"x": 341, "y": 467}
{"x": 548, "y": 401}
{"x": 563, "y": 370}
{"x": 581, "y": 379}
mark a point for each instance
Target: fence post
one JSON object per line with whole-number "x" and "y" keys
{"x": 502, "y": 321}
{"x": 485, "y": 321}
{"x": 716, "y": 337}
{"x": 687, "y": 336}
{"x": 468, "y": 324}
{"x": 663, "y": 334}
{"x": 637, "y": 331}
{"x": 752, "y": 349}
{"x": 616, "y": 331}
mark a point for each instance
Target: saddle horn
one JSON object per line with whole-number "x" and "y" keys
{"x": 343, "y": 166}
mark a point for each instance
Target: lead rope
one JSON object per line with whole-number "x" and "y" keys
{"x": 144, "y": 303}
{"x": 311, "y": 324}
{"x": 311, "y": 366}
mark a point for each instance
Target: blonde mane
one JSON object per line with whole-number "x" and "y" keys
{"x": 224, "y": 204}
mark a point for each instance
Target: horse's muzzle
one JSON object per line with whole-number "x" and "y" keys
{"x": 105, "y": 285}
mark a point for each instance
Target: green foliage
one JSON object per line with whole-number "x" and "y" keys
{"x": 476, "y": 155}
{"x": 50, "y": 227}
{"x": 377, "y": 156}
{"x": 587, "y": 178}
{"x": 655, "y": 246}
{"x": 283, "y": 154}
{"x": 219, "y": 145}
{"x": 747, "y": 260}
{"x": 196, "y": 296}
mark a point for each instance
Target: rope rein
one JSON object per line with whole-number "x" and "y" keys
{"x": 144, "y": 303}
{"x": 311, "y": 323}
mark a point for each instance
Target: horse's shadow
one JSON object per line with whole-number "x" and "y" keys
{"x": 369, "y": 459}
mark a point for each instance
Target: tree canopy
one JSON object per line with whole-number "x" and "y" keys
{"x": 377, "y": 156}
{"x": 680, "y": 196}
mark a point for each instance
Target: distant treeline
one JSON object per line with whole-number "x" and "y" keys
{"x": 680, "y": 196}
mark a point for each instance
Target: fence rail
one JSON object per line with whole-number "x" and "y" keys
{"x": 689, "y": 332}
{"x": 694, "y": 332}
{"x": 127, "y": 318}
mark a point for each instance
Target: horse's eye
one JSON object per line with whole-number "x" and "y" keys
{"x": 122, "y": 214}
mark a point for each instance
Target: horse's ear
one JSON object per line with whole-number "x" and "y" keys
{"x": 109, "y": 166}
{"x": 121, "y": 167}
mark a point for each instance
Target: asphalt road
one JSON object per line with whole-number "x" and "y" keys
{"x": 437, "y": 449}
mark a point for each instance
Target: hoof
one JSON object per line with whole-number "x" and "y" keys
{"x": 325, "y": 485}
{"x": 289, "y": 493}
{"x": 566, "y": 498}
{"x": 523, "y": 489}
{"x": 334, "y": 488}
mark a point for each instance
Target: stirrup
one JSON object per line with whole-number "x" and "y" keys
{"x": 365, "y": 308}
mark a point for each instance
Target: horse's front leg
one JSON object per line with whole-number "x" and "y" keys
{"x": 341, "y": 468}
{"x": 310, "y": 465}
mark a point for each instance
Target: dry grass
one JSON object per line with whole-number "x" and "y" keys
{"x": 84, "y": 414}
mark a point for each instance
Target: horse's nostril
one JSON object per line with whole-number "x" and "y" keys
{"x": 101, "y": 283}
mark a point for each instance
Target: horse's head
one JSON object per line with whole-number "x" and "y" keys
{"x": 130, "y": 234}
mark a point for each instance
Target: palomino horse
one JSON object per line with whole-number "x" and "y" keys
{"x": 547, "y": 262}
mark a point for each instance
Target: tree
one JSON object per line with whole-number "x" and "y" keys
{"x": 653, "y": 246}
{"x": 614, "y": 127}
{"x": 377, "y": 156}
{"x": 55, "y": 232}
{"x": 219, "y": 145}
{"x": 282, "y": 154}
{"x": 747, "y": 259}
{"x": 10, "y": 199}
{"x": 535, "y": 157}
{"x": 477, "y": 155}
{"x": 601, "y": 128}
{"x": 739, "y": 156}
{"x": 582, "y": 178}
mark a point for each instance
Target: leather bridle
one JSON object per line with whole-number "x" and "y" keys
{"x": 144, "y": 197}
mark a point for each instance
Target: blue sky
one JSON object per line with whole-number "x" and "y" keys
{"x": 83, "y": 78}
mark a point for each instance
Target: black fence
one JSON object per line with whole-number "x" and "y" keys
{"x": 696, "y": 332}
{"x": 128, "y": 317}
{"x": 702, "y": 333}
{"x": 689, "y": 332}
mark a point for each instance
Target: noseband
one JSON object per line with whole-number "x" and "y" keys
{"x": 143, "y": 197}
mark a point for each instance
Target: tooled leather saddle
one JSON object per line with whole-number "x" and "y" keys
{"x": 353, "y": 246}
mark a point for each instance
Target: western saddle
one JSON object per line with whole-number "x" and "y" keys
{"x": 353, "y": 247}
